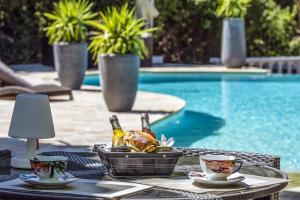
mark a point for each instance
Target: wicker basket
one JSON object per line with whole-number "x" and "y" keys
{"x": 139, "y": 164}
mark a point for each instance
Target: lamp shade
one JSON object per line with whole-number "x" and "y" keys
{"x": 32, "y": 117}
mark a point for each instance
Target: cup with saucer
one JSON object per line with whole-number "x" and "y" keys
{"x": 48, "y": 172}
{"x": 218, "y": 170}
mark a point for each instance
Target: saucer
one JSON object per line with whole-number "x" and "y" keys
{"x": 34, "y": 180}
{"x": 201, "y": 179}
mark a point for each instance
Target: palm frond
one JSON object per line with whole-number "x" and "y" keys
{"x": 118, "y": 32}
{"x": 233, "y": 8}
{"x": 69, "y": 20}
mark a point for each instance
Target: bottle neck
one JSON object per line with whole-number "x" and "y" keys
{"x": 115, "y": 124}
{"x": 145, "y": 123}
{"x": 114, "y": 121}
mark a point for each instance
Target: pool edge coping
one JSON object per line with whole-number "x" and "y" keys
{"x": 198, "y": 69}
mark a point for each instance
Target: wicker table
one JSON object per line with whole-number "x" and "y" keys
{"x": 87, "y": 165}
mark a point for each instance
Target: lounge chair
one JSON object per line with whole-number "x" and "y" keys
{"x": 13, "y": 84}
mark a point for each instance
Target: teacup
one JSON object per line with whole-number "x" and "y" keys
{"x": 219, "y": 167}
{"x": 49, "y": 167}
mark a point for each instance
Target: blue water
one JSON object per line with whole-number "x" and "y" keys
{"x": 254, "y": 113}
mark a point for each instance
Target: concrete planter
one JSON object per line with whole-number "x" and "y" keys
{"x": 70, "y": 61}
{"x": 119, "y": 80}
{"x": 233, "y": 42}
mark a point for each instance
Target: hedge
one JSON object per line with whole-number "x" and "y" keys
{"x": 189, "y": 31}
{"x": 21, "y": 24}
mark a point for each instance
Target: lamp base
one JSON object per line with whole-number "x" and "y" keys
{"x": 23, "y": 162}
{"x": 20, "y": 162}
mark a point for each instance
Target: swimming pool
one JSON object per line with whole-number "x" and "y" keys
{"x": 255, "y": 113}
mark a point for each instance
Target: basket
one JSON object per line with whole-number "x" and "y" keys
{"x": 139, "y": 164}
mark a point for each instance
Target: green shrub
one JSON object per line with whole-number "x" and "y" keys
{"x": 294, "y": 46}
{"x": 19, "y": 34}
{"x": 270, "y": 29}
{"x": 190, "y": 31}
{"x": 119, "y": 32}
{"x": 21, "y": 27}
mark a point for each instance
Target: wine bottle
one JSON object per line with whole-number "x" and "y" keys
{"x": 117, "y": 139}
{"x": 146, "y": 124}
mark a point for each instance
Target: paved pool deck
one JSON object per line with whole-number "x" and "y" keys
{"x": 189, "y": 68}
{"x": 178, "y": 68}
{"x": 84, "y": 121}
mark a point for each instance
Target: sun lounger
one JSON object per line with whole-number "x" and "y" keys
{"x": 15, "y": 84}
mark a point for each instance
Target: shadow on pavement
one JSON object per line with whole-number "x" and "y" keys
{"x": 288, "y": 195}
{"x": 18, "y": 146}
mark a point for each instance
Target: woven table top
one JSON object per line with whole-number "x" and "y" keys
{"x": 88, "y": 165}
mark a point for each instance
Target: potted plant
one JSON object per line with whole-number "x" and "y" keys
{"x": 233, "y": 53}
{"x": 118, "y": 46}
{"x": 68, "y": 33}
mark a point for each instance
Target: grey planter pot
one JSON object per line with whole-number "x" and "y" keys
{"x": 119, "y": 80}
{"x": 70, "y": 60}
{"x": 233, "y": 42}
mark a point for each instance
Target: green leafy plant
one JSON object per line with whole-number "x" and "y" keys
{"x": 233, "y": 8}
{"x": 189, "y": 30}
{"x": 70, "y": 19}
{"x": 119, "y": 32}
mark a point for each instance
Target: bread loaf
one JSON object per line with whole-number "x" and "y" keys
{"x": 140, "y": 141}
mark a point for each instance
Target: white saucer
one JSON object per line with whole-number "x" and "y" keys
{"x": 34, "y": 180}
{"x": 201, "y": 179}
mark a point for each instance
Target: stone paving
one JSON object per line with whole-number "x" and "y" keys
{"x": 175, "y": 68}
{"x": 84, "y": 121}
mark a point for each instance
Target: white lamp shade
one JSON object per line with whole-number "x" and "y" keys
{"x": 32, "y": 117}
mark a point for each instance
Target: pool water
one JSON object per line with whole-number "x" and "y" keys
{"x": 254, "y": 113}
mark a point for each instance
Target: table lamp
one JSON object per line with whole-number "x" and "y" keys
{"x": 32, "y": 120}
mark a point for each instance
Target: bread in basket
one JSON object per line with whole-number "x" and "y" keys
{"x": 140, "y": 141}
